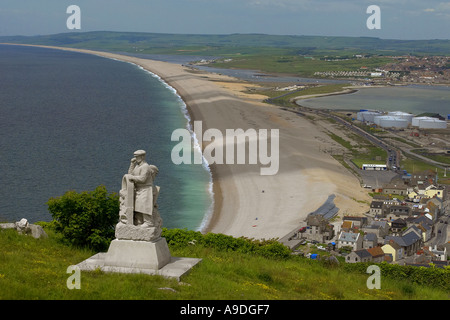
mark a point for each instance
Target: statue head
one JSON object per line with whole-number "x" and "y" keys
{"x": 139, "y": 155}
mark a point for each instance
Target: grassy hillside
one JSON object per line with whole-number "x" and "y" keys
{"x": 36, "y": 269}
{"x": 235, "y": 43}
{"x": 298, "y": 55}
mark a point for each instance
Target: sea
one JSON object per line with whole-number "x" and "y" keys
{"x": 71, "y": 121}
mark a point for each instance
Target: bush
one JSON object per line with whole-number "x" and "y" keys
{"x": 86, "y": 219}
{"x": 435, "y": 277}
{"x": 267, "y": 248}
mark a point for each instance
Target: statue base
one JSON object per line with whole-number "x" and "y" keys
{"x": 132, "y": 232}
{"x": 146, "y": 257}
{"x": 138, "y": 254}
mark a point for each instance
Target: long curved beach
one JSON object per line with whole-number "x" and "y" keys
{"x": 245, "y": 202}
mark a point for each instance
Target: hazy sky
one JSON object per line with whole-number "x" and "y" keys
{"x": 400, "y": 19}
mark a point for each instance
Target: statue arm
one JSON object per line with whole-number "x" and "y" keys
{"x": 143, "y": 176}
{"x": 132, "y": 166}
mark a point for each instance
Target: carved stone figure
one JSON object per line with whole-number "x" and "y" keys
{"x": 139, "y": 247}
{"x": 138, "y": 206}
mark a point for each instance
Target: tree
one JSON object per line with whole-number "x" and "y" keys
{"x": 86, "y": 219}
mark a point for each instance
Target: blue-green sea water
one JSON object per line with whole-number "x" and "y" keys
{"x": 71, "y": 121}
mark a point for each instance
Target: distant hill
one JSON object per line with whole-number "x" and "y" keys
{"x": 233, "y": 43}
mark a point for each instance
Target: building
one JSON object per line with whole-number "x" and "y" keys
{"x": 410, "y": 242}
{"x": 397, "y": 226}
{"x": 350, "y": 239}
{"x": 358, "y": 256}
{"x": 398, "y": 211}
{"x": 394, "y": 250}
{"x": 377, "y": 254}
{"x": 439, "y": 255}
{"x": 358, "y": 222}
{"x": 395, "y": 188}
{"x": 374, "y": 167}
{"x": 379, "y": 228}
{"x": 318, "y": 229}
{"x": 376, "y": 209}
{"x": 425, "y": 225}
{"x": 370, "y": 240}
{"x": 423, "y": 191}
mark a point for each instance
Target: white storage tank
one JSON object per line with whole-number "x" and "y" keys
{"x": 367, "y": 116}
{"x": 403, "y": 115}
{"x": 416, "y": 120}
{"x": 391, "y": 122}
{"x": 377, "y": 119}
{"x": 432, "y": 124}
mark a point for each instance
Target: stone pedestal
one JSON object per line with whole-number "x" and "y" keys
{"x": 131, "y": 232}
{"x": 138, "y": 247}
{"x": 138, "y": 254}
{"x": 144, "y": 257}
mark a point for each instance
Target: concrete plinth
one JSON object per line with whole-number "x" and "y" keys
{"x": 138, "y": 254}
{"x": 147, "y": 257}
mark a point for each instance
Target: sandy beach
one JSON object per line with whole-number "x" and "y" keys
{"x": 247, "y": 203}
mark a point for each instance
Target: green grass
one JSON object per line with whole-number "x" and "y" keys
{"x": 364, "y": 152}
{"x": 299, "y": 65}
{"x": 36, "y": 269}
{"x": 415, "y": 165}
{"x": 436, "y": 157}
{"x": 311, "y": 46}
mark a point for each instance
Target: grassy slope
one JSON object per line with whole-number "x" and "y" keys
{"x": 321, "y": 45}
{"x": 267, "y": 53}
{"x": 36, "y": 269}
{"x": 299, "y": 65}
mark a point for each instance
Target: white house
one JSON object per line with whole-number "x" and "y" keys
{"x": 350, "y": 239}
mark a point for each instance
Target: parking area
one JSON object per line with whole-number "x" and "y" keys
{"x": 376, "y": 179}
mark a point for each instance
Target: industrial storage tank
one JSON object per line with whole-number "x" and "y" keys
{"x": 416, "y": 120}
{"x": 367, "y": 116}
{"x": 432, "y": 124}
{"x": 391, "y": 122}
{"x": 403, "y": 115}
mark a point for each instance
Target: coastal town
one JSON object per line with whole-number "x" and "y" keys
{"x": 406, "y": 221}
{"x": 406, "y": 69}
{"x": 406, "y": 224}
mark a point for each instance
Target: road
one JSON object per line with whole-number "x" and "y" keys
{"x": 441, "y": 231}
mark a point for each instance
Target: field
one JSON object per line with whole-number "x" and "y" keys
{"x": 300, "y": 65}
{"x": 299, "y": 55}
{"x": 37, "y": 269}
{"x": 203, "y": 44}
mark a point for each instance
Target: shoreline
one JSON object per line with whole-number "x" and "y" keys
{"x": 246, "y": 203}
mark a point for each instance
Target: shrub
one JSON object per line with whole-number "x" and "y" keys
{"x": 86, "y": 219}
{"x": 435, "y": 277}
{"x": 218, "y": 241}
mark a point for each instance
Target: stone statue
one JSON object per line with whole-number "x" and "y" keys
{"x": 139, "y": 216}
{"x": 139, "y": 247}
